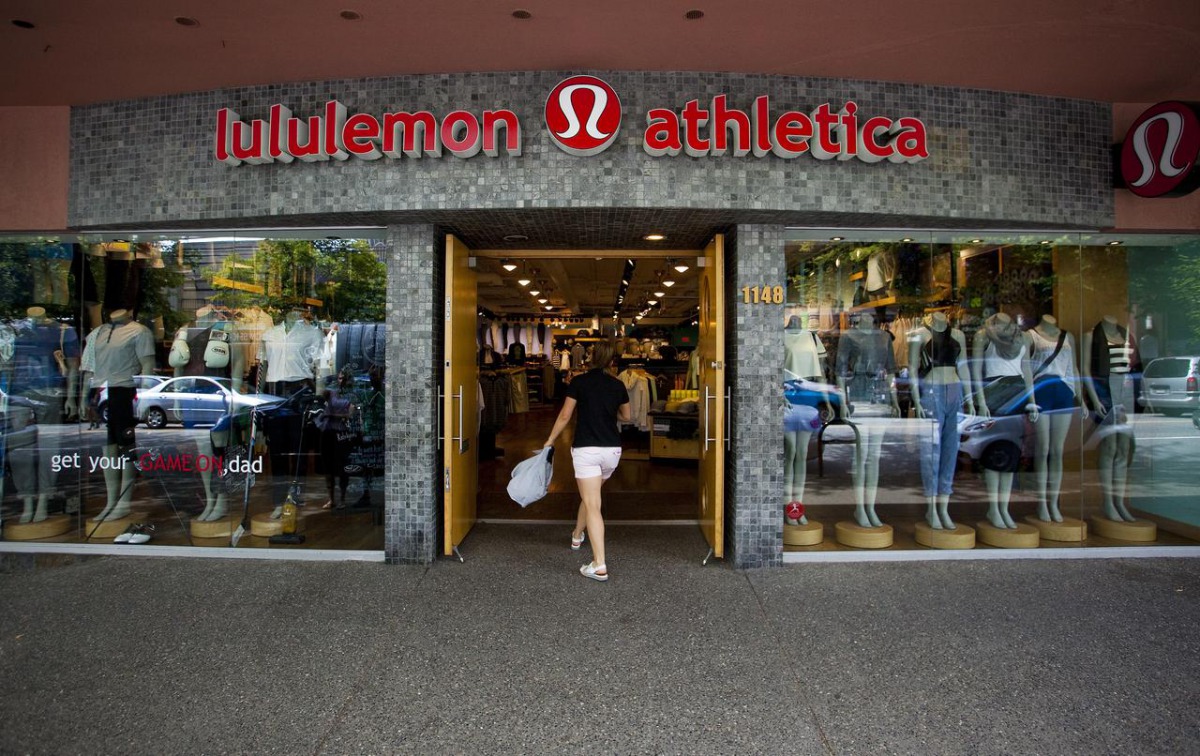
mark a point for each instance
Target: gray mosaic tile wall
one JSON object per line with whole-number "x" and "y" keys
{"x": 998, "y": 157}
{"x": 754, "y": 471}
{"x": 414, "y": 345}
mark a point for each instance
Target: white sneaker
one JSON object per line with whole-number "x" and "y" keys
{"x": 142, "y": 535}
{"x": 129, "y": 531}
{"x": 594, "y": 571}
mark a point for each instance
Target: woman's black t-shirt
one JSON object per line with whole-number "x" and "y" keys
{"x": 598, "y": 395}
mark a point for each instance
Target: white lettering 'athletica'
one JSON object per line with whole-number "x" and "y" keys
{"x": 568, "y": 110}
{"x": 1166, "y": 165}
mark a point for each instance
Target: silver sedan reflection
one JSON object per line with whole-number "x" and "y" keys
{"x": 194, "y": 400}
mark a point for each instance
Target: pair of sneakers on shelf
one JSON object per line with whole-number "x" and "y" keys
{"x": 591, "y": 569}
{"x": 139, "y": 532}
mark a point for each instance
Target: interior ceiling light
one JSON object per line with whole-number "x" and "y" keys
{"x": 977, "y": 241}
{"x": 543, "y": 300}
{"x": 186, "y": 21}
{"x": 516, "y": 238}
{"x": 836, "y": 238}
{"x": 523, "y": 281}
{"x": 1115, "y": 243}
{"x": 509, "y": 266}
{"x": 350, "y": 15}
{"x": 654, "y": 237}
{"x": 660, "y": 294}
{"x": 906, "y": 240}
{"x": 668, "y": 284}
{"x": 522, "y": 15}
{"x": 681, "y": 268}
{"x": 22, "y": 24}
{"x": 548, "y": 307}
{"x": 534, "y": 292}
{"x": 651, "y": 301}
{"x": 1045, "y": 241}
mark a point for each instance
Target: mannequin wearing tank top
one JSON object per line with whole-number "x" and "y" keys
{"x": 1107, "y": 353}
{"x": 1051, "y": 430}
{"x": 1000, "y": 349}
{"x": 946, "y": 349}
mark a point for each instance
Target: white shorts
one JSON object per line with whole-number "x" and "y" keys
{"x": 595, "y": 461}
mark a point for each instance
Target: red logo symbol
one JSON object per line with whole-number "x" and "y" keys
{"x": 795, "y": 510}
{"x": 1159, "y": 154}
{"x": 583, "y": 114}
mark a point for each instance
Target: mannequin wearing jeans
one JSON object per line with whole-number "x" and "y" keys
{"x": 938, "y": 352}
{"x": 1106, "y": 368}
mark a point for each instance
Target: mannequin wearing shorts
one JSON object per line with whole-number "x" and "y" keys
{"x": 803, "y": 353}
{"x": 939, "y": 355}
{"x": 1000, "y": 352}
{"x": 602, "y": 401}
{"x": 1106, "y": 368}
{"x": 866, "y": 366}
{"x": 1055, "y": 378}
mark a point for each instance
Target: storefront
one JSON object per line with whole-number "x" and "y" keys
{"x": 339, "y": 245}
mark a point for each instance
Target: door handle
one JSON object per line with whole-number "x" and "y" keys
{"x": 441, "y": 407}
{"x": 707, "y": 398}
{"x": 728, "y": 417}
{"x": 460, "y": 438}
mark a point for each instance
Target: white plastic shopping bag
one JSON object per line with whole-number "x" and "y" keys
{"x": 531, "y": 478}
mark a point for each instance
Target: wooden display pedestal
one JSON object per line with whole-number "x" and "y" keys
{"x": 262, "y": 525}
{"x": 1021, "y": 537}
{"x": 1140, "y": 531}
{"x": 962, "y": 537}
{"x": 852, "y": 534}
{"x": 54, "y": 525}
{"x": 222, "y": 528}
{"x": 1069, "y": 530}
{"x": 803, "y": 535}
{"x": 108, "y": 529}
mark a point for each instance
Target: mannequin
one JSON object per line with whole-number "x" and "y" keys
{"x": 45, "y": 370}
{"x": 114, "y": 354}
{"x": 803, "y": 353}
{"x": 1109, "y": 385}
{"x": 938, "y": 355}
{"x": 1055, "y": 377}
{"x": 866, "y": 367}
{"x": 288, "y": 353}
{"x": 881, "y": 271}
{"x": 1000, "y": 365}
{"x": 209, "y": 348}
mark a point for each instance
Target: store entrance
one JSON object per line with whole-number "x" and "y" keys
{"x": 520, "y": 327}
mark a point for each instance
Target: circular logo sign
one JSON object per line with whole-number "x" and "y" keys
{"x": 583, "y": 114}
{"x": 1159, "y": 154}
{"x": 795, "y": 510}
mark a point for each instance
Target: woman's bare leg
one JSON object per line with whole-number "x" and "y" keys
{"x": 589, "y": 491}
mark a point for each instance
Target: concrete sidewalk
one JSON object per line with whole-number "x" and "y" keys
{"x": 514, "y": 652}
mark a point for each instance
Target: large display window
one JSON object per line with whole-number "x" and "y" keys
{"x": 976, "y": 390}
{"x": 220, "y": 390}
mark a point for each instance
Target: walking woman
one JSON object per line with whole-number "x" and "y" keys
{"x": 602, "y": 401}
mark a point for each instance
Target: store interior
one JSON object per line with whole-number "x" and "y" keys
{"x": 540, "y": 313}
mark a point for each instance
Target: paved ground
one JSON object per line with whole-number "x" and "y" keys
{"x": 513, "y": 652}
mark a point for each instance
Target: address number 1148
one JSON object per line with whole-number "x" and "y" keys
{"x": 762, "y": 294}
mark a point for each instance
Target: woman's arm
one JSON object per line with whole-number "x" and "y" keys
{"x": 624, "y": 413}
{"x": 564, "y": 417}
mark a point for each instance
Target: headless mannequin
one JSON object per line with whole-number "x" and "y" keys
{"x": 942, "y": 385}
{"x": 1109, "y": 402}
{"x": 1051, "y": 434}
{"x": 871, "y": 428}
{"x": 283, "y": 464}
{"x": 119, "y": 476}
{"x": 32, "y": 469}
{"x": 999, "y": 483}
{"x": 232, "y": 366}
{"x": 801, "y": 348}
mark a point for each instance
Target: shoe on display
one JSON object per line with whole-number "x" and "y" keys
{"x": 129, "y": 531}
{"x": 142, "y": 535}
{"x": 576, "y": 543}
{"x": 594, "y": 571}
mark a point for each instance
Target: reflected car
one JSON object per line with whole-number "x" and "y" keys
{"x": 140, "y": 382}
{"x": 825, "y": 397}
{"x": 1169, "y": 385}
{"x": 193, "y": 400}
{"x": 1001, "y": 441}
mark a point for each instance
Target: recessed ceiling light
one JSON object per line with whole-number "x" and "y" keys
{"x": 654, "y": 237}
{"x": 624, "y": 282}
{"x": 668, "y": 284}
{"x": 906, "y": 240}
{"x": 836, "y": 238}
{"x": 350, "y": 15}
{"x": 523, "y": 281}
{"x": 522, "y": 15}
{"x": 977, "y": 241}
{"x": 516, "y": 238}
{"x": 186, "y": 21}
{"x": 1115, "y": 243}
{"x": 1045, "y": 241}
{"x": 21, "y": 24}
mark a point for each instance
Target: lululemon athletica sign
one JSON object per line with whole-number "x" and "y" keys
{"x": 1158, "y": 158}
{"x": 582, "y": 117}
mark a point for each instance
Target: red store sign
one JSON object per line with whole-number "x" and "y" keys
{"x": 583, "y": 118}
{"x": 1159, "y": 155}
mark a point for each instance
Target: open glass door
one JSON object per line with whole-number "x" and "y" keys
{"x": 712, "y": 389}
{"x": 460, "y": 404}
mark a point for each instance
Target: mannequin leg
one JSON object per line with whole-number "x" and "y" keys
{"x": 119, "y": 484}
{"x": 874, "y": 447}
{"x": 23, "y": 464}
{"x": 204, "y": 448}
{"x": 1114, "y": 468}
{"x": 931, "y": 513}
{"x": 795, "y": 466}
{"x": 944, "y": 512}
{"x": 999, "y": 488}
{"x": 1121, "y": 475}
{"x": 1051, "y": 436}
{"x": 858, "y": 479}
